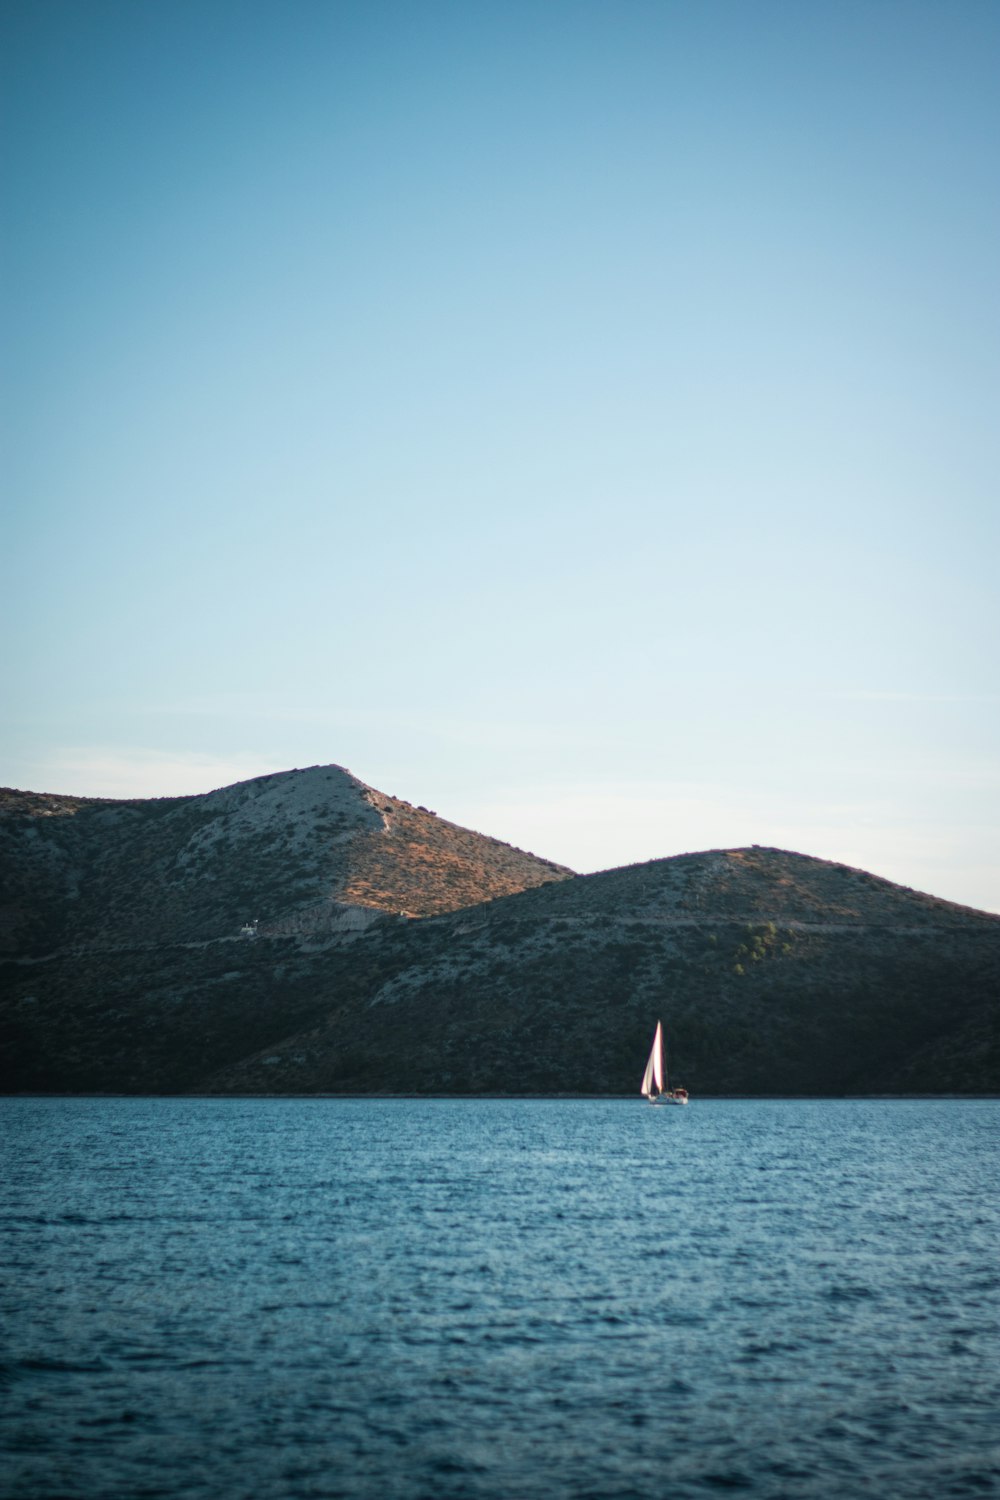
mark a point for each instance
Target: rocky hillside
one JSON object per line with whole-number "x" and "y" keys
{"x": 773, "y": 972}
{"x": 299, "y": 851}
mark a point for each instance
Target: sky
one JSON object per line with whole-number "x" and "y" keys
{"x": 579, "y": 418}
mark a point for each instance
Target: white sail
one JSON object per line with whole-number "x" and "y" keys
{"x": 654, "y": 1067}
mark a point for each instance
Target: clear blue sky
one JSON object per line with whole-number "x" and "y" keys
{"x": 579, "y": 418}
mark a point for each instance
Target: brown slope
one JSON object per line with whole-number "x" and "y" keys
{"x": 422, "y": 865}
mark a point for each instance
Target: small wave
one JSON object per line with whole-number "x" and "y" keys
{"x": 41, "y": 1364}
{"x": 728, "y": 1479}
{"x": 113, "y": 1419}
{"x": 843, "y": 1291}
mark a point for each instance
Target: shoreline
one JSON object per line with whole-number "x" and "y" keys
{"x": 536, "y": 1098}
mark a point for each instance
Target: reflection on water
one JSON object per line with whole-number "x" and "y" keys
{"x": 495, "y": 1298}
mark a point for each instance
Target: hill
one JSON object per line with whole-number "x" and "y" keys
{"x": 774, "y": 972}
{"x": 298, "y": 850}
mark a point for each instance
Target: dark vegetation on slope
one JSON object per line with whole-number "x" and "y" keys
{"x": 773, "y": 972}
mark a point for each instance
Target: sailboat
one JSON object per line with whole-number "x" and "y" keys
{"x": 654, "y": 1079}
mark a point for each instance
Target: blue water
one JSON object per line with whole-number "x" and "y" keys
{"x": 510, "y": 1299}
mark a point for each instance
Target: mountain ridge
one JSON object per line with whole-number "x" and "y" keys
{"x": 397, "y": 952}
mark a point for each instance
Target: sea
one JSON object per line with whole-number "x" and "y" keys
{"x": 498, "y": 1298}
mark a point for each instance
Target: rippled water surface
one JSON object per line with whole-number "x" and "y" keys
{"x": 517, "y": 1299}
